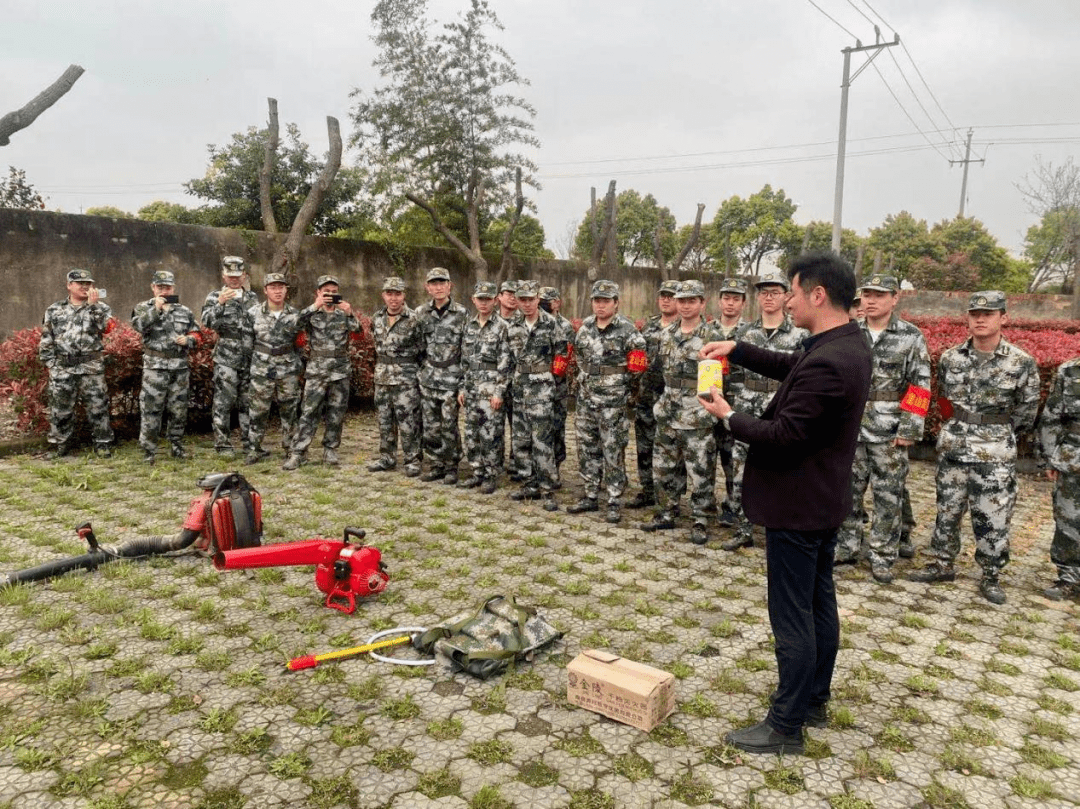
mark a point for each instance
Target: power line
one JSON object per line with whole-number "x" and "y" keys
{"x": 862, "y": 12}
{"x": 838, "y": 25}
{"x": 904, "y": 109}
{"x": 918, "y": 101}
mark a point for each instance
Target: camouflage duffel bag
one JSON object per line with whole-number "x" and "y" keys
{"x": 487, "y": 641}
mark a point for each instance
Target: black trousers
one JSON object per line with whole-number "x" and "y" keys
{"x": 805, "y": 622}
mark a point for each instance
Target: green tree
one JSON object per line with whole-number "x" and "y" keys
{"x": 110, "y": 211}
{"x": 902, "y": 240}
{"x": 444, "y": 128}
{"x": 817, "y": 235}
{"x": 16, "y": 192}
{"x": 1048, "y": 247}
{"x": 759, "y": 226}
{"x": 969, "y": 237}
{"x": 955, "y": 272}
{"x": 636, "y": 220}
{"x": 527, "y": 238}
{"x": 698, "y": 261}
{"x": 161, "y": 211}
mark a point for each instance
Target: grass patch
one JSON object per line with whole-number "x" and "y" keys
{"x": 788, "y": 780}
{"x": 439, "y": 784}
{"x": 1061, "y": 682}
{"x": 446, "y": 729}
{"x": 669, "y": 736}
{"x": 334, "y": 791}
{"x": 978, "y": 737}
{"x": 400, "y": 709}
{"x": 1034, "y": 788}
{"x": 537, "y": 774}
{"x": 1040, "y": 756}
{"x": 290, "y": 765}
{"x": 878, "y": 769}
{"x": 218, "y": 720}
{"x": 963, "y": 763}
{"x": 692, "y": 791}
{"x": 350, "y": 735}
{"x": 701, "y": 707}
{"x": 634, "y": 767}
{"x": 1058, "y": 706}
{"x": 579, "y": 746}
{"x": 591, "y": 799}
{"x": 939, "y": 796}
{"x": 892, "y": 738}
{"x": 394, "y": 758}
{"x": 493, "y": 751}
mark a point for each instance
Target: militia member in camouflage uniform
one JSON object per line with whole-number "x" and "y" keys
{"x": 753, "y": 392}
{"x": 485, "y": 351}
{"x": 684, "y": 429}
{"x": 399, "y": 349}
{"x": 539, "y": 354}
{"x": 226, "y": 312}
{"x": 892, "y": 422}
{"x": 507, "y": 311}
{"x": 650, "y": 386}
{"x": 329, "y": 323}
{"x": 73, "y": 350}
{"x": 442, "y": 322}
{"x": 275, "y": 366}
{"x": 729, "y": 326}
{"x": 609, "y": 350}
{"x": 988, "y": 391}
{"x": 1059, "y": 442}
{"x": 169, "y": 332}
{"x": 551, "y": 302}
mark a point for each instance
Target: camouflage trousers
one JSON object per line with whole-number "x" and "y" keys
{"x": 328, "y": 399}
{"x": 725, "y": 445}
{"x": 744, "y": 530}
{"x": 644, "y": 438}
{"x": 693, "y": 452}
{"x": 230, "y": 390}
{"x": 989, "y": 490}
{"x": 1065, "y": 546}
{"x": 534, "y": 444}
{"x": 560, "y": 430}
{"x": 602, "y": 436}
{"x": 884, "y": 468}
{"x": 442, "y": 441}
{"x": 64, "y": 392}
{"x": 907, "y": 516}
{"x": 286, "y": 390}
{"x": 163, "y": 391}
{"x": 483, "y": 451}
{"x": 505, "y": 427}
{"x": 399, "y": 417}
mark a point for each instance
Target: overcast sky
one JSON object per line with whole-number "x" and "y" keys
{"x": 692, "y": 101}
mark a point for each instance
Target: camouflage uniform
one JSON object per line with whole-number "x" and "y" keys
{"x": 275, "y": 372}
{"x": 507, "y": 417}
{"x": 899, "y": 396}
{"x": 604, "y": 378}
{"x": 232, "y": 360}
{"x": 73, "y": 350}
{"x": 751, "y": 394}
{"x": 485, "y": 350}
{"x": 1059, "y": 442}
{"x": 398, "y": 351}
{"x": 725, "y": 441}
{"x": 562, "y": 383}
{"x": 992, "y": 399}
{"x": 165, "y": 378}
{"x": 327, "y": 375}
{"x": 440, "y": 380}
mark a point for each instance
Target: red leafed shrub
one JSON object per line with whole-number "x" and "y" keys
{"x": 362, "y": 358}
{"x": 23, "y": 379}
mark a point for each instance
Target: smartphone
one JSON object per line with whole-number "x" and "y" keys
{"x": 171, "y": 298}
{"x": 102, "y": 292}
{"x": 335, "y": 299}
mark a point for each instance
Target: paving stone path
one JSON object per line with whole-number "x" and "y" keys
{"x": 161, "y": 683}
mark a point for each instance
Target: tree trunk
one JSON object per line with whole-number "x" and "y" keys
{"x": 878, "y": 258}
{"x": 860, "y": 252}
{"x": 266, "y": 174}
{"x": 476, "y": 258}
{"x": 22, "y": 118}
{"x": 695, "y": 234}
{"x": 611, "y": 254}
{"x": 507, "y": 261}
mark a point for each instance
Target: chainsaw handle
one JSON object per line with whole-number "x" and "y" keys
{"x": 353, "y": 532}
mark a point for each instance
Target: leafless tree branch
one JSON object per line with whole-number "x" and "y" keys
{"x": 22, "y": 118}
{"x": 266, "y": 174}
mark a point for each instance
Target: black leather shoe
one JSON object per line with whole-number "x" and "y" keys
{"x": 934, "y": 572}
{"x": 699, "y": 534}
{"x": 991, "y": 589}
{"x": 735, "y": 543}
{"x": 1062, "y": 590}
{"x": 641, "y": 500}
{"x": 489, "y": 486}
{"x": 761, "y": 738}
{"x": 726, "y": 518}
{"x": 177, "y": 450}
{"x": 381, "y": 465}
{"x": 412, "y": 471}
{"x": 149, "y": 457}
{"x": 549, "y": 503}
{"x": 583, "y": 505}
{"x": 614, "y": 513}
{"x": 816, "y": 715}
{"x": 470, "y": 482}
{"x": 450, "y": 478}
{"x": 432, "y": 475}
{"x": 907, "y": 550}
{"x": 526, "y": 493}
{"x": 661, "y": 522}
{"x": 882, "y": 574}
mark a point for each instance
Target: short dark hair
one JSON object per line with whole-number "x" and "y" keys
{"x": 826, "y": 269}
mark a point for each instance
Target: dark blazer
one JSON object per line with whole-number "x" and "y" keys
{"x": 798, "y": 469}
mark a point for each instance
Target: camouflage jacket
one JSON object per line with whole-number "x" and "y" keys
{"x": 274, "y": 354}
{"x": 159, "y": 330}
{"x": 485, "y": 350}
{"x": 328, "y": 338}
{"x": 532, "y": 352}
{"x": 736, "y": 374}
{"x": 72, "y": 338}
{"x": 399, "y": 348}
{"x": 754, "y": 391}
{"x": 901, "y": 361}
{"x": 442, "y": 367}
{"x": 1006, "y": 386}
{"x": 233, "y": 326}
{"x": 652, "y": 381}
{"x": 678, "y": 407}
{"x": 603, "y": 378}
{"x": 1059, "y": 424}
{"x": 562, "y": 383}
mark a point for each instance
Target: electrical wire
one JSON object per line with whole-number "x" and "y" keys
{"x": 908, "y": 114}
{"x": 948, "y": 144}
{"x": 838, "y": 25}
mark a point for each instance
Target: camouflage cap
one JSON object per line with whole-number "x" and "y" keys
{"x": 393, "y": 283}
{"x": 326, "y": 279}
{"x": 733, "y": 285}
{"x": 549, "y": 294}
{"x": 437, "y": 274}
{"x": 80, "y": 275}
{"x": 485, "y": 289}
{"x": 232, "y": 265}
{"x": 604, "y": 289}
{"x": 527, "y": 289}
{"x": 164, "y": 277}
{"x": 989, "y": 300}
{"x": 508, "y": 286}
{"x": 669, "y": 288}
{"x": 274, "y": 278}
{"x": 691, "y": 289}
{"x": 882, "y": 283}
{"x": 776, "y": 278}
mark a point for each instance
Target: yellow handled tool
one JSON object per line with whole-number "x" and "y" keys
{"x": 311, "y": 661}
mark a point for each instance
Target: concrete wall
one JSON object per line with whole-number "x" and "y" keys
{"x": 1035, "y": 307}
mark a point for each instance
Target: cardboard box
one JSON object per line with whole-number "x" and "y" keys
{"x": 628, "y": 692}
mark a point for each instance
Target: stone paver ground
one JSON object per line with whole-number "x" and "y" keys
{"x": 161, "y": 683}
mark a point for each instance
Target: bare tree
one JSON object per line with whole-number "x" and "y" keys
{"x": 507, "y": 261}
{"x": 672, "y": 273}
{"x": 603, "y": 232}
{"x": 22, "y": 118}
{"x": 267, "y": 172}
{"x": 1053, "y": 194}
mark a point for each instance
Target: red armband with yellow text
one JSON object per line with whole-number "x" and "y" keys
{"x": 916, "y": 400}
{"x": 944, "y": 406}
{"x": 725, "y": 366}
{"x": 559, "y": 365}
{"x": 110, "y": 325}
{"x": 301, "y": 340}
{"x": 636, "y": 361}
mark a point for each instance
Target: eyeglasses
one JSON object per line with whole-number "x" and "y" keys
{"x": 771, "y": 293}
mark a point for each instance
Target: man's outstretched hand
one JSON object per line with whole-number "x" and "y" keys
{"x": 714, "y": 351}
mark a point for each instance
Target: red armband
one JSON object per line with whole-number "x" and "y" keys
{"x": 197, "y": 337}
{"x": 110, "y": 325}
{"x": 636, "y": 361}
{"x": 916, "y": 400}
{"x": 559, "y": 365}
{"x": 945, "y": 407}
{"x": 725, "y": 366}
{"x": 301, "y": 340}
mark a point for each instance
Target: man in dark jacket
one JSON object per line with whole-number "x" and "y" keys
{"x": 797, "y": 483}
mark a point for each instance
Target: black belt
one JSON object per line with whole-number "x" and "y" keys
{"x": 229, "y": 334}
{"x": 602, "y": 370}
{"x": 535, "y": 368}
{"x": 71, "y": 360}
{"x": 392, "y": 359}
{"x": 484, "y": 366}
{"x": 759, "y": 386}
{"x": 280, "y": 351}
{"x": 444, "y": 363}
{"x": 683, "y": 382}
{"x": 330, "y": 353}
{"x": 884, "y": 396}
{"x": 968, "y": 417}
{"x": 165, "y": 355}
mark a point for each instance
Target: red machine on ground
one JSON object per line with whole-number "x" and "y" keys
{"x": 343, "y": 570}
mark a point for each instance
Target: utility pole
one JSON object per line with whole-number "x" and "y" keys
{"x": 841, "y": 148}
{"x": 967, "y": 159}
